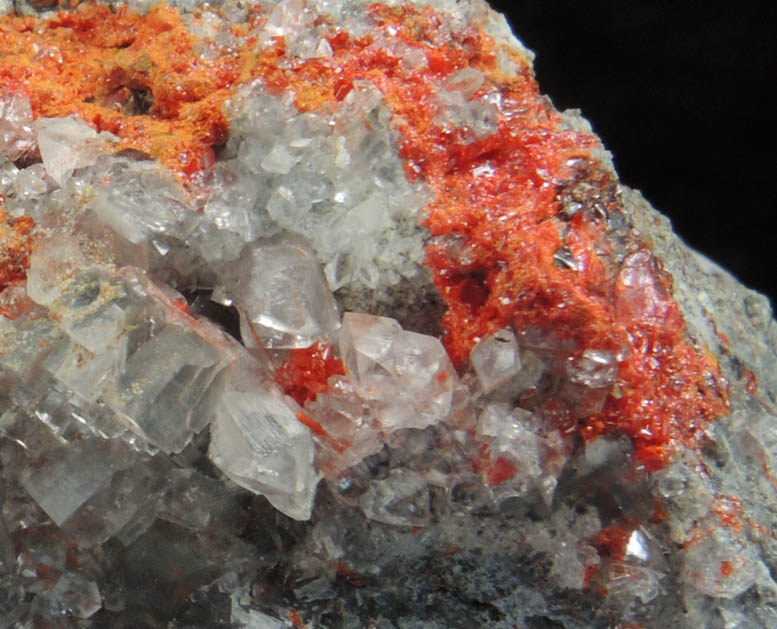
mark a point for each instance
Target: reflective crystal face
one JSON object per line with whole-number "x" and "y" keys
{"x": 406, "y": 376}
{"x": 318, "y": 313}
{"x": 258, "y": 442}
{"x": 282, "y": 296}
{"x": 496, "y": 359}
{"x": 68, "y": 143}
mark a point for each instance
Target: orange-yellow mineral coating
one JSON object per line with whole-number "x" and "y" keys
{"x": 498, "y": 198}
{"x": 15, "y": 248}
{"x": 99, "y": 64}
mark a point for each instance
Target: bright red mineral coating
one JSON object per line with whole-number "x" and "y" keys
{"x": 306, "y": 372}
{"x": 613, "y": 540}
{"x": 494, "y": 470}
{"x": 499, "y": 199}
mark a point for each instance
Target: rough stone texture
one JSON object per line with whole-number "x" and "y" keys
{"x": 302, "y": 375}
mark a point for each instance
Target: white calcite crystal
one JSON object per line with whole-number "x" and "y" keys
{"x": 259, "y": 443}
{"x": 282, "y": 296}
{"x": 496, "y": 359}
{"x": 407, "y": 376}
{"x": 293, "y": 333}
{"x": 334, "y": 179}
{"x": 68, "y": 143}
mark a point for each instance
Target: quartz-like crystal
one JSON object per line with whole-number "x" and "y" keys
{"x": 258, "y": 442}
{"x": 408, "y": 376}
{"x": 282, "y": 296}
{"x": 318, "y": 314}
{"x": 496, "y": 359}
{"x": 68, "y": 143}
{"x": 17, "y": 135}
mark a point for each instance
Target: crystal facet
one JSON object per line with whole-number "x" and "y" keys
{"x": 318, "y": 314}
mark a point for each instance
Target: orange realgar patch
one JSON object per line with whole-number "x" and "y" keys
{"x": 613, "y": 540}
{"x": 726, "y": 569}
{"x": 500, "y": 199}
{"x": 494, "y": 469}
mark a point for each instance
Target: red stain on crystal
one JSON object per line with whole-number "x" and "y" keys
{"x": 612, "y": 541}
{"x": 751, "y": 382}
{"x": 345, "y": 571}
{"x": 659, "y": 511}
{"x": 318, "y": 430}
{"x": 590, "y": 572}
{"x": 182, "y": 305}
{"x": 501, "y": 470}
{"x": 306, "y": 372}
{"x": 295, "y": 618}
{"x": 696, "y": 537}
{"x": 494, "y": 470}
{"x": 14, "y": 301}
{"x": 726, "y": 569}
{"x": 315, "y": 427}
{"x": 15, "y": 249}
{"x": 47, "y": 573}
{"x": 730, "y": 511}
{"x": 767, "y": 469}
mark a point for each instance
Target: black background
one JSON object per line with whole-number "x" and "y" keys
{"x": 680, "y": 94}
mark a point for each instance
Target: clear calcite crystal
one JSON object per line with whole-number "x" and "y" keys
{"x": 17, "y": 135}
{"x": 282, "y": 296}
{"x": 319, "y": 314}
{"x": 68, "y": 143}
{"x": 496, "y": 359}
{"x": 140, "y": 203}
{"x": 406, "y": 376}
{"x": 258, "y": 442}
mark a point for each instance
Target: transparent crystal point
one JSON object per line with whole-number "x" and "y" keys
{"x": 402, "y": 498}
{"x": 52, "y": 267}
{"x": 282, "y": 296}
{"x": 64, "y": 483}
{"x": 17, "y": 136}
{"x": 408, "y": 376}
{"x": 496, "y": 359}
{"x": 68, "y": 143}
{"x": 722, "y": 564}
{"x": 257, "y": 440}
{"x": 161, "y": 384}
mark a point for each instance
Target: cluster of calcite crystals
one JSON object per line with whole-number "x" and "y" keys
{"x": 229, "y": 395}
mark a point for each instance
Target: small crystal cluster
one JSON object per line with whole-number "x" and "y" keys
{"x": 229, "y": 396}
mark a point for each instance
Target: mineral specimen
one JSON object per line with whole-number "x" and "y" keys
{"x": 319, "y": 314}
